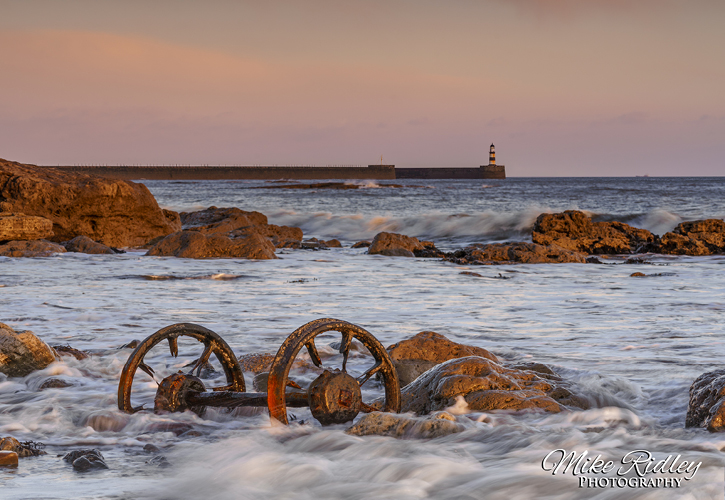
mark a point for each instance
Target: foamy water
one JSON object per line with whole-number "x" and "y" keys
{"x": 632, "y": 345}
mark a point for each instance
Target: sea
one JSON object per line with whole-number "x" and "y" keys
{"x": 632, "y": 346}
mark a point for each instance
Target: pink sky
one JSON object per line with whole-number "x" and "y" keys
{"x": 563, "y": 87}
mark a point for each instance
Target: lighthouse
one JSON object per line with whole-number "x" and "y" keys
{"x": 492, "y": 155}
{"x": 492, "y": 171}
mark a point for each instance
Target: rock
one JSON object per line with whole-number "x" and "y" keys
{"x": 256, "y": 362}
{"x": 469, "y": 273}
{"x": 575, "y": 231}
{"x": 702, "y": 237}
{"x": 159, "y": 461}
{"x": 36, "y": 248}
{"x": 485, "y": 386}
{"x": 85, "y": 460}
{"x": 334, "y": 243}
{"x": 131, "y": 345}
{"x": 196, "y": 245}
{"x": 8, "y": 459}
{"x": 637, "y": 275}
{"x": 54, "y": 383}
{"x": 151, "y": 448}
{"x": 114, "y": 212}
{"x": 66, "y": 350}
{"x": 83, "y": 244}
{"x": 418, "y": 354}
{"x": 22, "y": 353}
{"x": 23, "y": 450}
{"x": 404, "y": 426}
{"x": 236, "y": 223}
{"x": 361, "y": 244}
{"x": 707, "y": 402}
{"x": 394, "y": 245}
{"x": 510, "y": 253}
{"x": 17, "y": 227}
{"x": 429, "y": 251}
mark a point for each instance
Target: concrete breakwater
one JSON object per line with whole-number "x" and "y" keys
{"x": 373, "y": 172}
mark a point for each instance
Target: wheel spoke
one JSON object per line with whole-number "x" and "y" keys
{"x": 148, "y": 370}
{"x": 229, "y": 387}
{"x": 345, "y": 349}
{"x": 314, "y": 355}
{"x": 174, "y": 346}
{"x": 369, "y": 373}
{"x": 203, "y": 359}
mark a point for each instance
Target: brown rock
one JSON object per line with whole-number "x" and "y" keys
{"x": 394, "y": 245}
{"x": 707, "y": 402}
{"x": 403, "y": 426}
{"x": 195, "y": 245}
{"x": 22, "y": 353}
{"x": 66, "y": 350}
{"x": 510, "y": 253}
{"x": 334, "y": 243}
{"x": 117, "y": 213}
{"x": 23, "y": 450}
{"x": 36, "y": 248}
{"x": 15, "y": 227}
{"x": 485, "y": 385}
{"x": 8, "y": 459}
{"x": 256, "y": 362}
{"x": 83, "y": 244}
{"x": 85, "y": 460}
{"x": 574, "y": 230}
{"x": 361, "y": 244}
{"x": 637, "y": 275}
{"x": 54, "y": 383}
{"x": 418, "y": 354}
{"x": 702, "y": 237}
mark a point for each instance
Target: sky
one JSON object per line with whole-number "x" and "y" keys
{"x": 562, "y": 87}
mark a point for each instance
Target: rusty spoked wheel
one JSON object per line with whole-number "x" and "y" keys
{"x": 213, "y": 344}
{"x": 334, "y": 396}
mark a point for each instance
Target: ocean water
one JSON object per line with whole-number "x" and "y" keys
{"x": 632, "y": 345}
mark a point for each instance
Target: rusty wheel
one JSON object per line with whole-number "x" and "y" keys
{"x": 335, "y": 395}
{"x": 213, "y": 343}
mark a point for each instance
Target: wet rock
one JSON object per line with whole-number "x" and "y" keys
{"x": 131, "y": 345}
{"x": 469, "y": 273}
{"x": 707, "y": 402}
{"x": 575, "y": 231}
{"x": 418, "y": 354}
{"x": 159, "y": 461}
{"x": 86, "y": 460}
{"x": 17, "y": 227}
{"x": 22, "y": 353}
{"x": 114, "y": 212}
{"x": 256, "y": 362}
{"x": 36, "y": 248}
{"x": 151, "y": 448}
{"x": 23, "y": 450}
{"x": 66, "y": 350}
{"x": 54, "y": 383}
{"x": 312, "y": 244}
{"x": 637, "y": 275}
{"x": 511, "y": 253}
{"x": 485, "y": 386}
{"x": 8, "y": 459}
{"x": 404, "y": 426}
{"x": 593, "y": 260}
{"x": 394, "y": 245}
{"x": 361, "y": 244}
{"x": 107, "y": 420}
{"x": 83, "y": 244}
{"x": 195, "y": 245}
{"x": 702, "y": 237}
{"x": 334, "y": 243}
{"x": 429, "y": 251}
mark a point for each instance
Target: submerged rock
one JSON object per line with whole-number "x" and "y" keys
{"x": 35, "y": 248}
{"x": 486, "y": 385}
{"x": 256, "y": 362}
{"x": 66, "y": 350}
{"x": 706, "y": 407}
{"x": 16, "y": 227}
{"x": 22, "y": 450}
{"x": 83, "y": 244}
{"x": 404, "y": 426}
{"x": 510, "y": 253}
{"x": 22, "y": 353}
{"x": 702, "y": 237}
{"x": 85, "y": 460}
{"x": 361, "y": 244}
{"x": 416, "y": 355}
{"x": 196, "y": 245}
{"x": 54, "y": 383}
{"x": 575, "y": 231}
{"x": 397, "y": 245}
{"x": 117, "y": 213}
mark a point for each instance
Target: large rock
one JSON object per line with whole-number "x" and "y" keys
{"x": 403, "y": 426}
{"x": 701, "y": 237}
{"x": 510, "y": 253}
{"x": 196, "y": 245}
{"x": 83, "y": 244}
{"x": 235, "y": 223}
{"x": 394, "y": 245}
{"x": 707, "y": 402}
{"x": 36, "y": 248}
{"x": 15, "y": 227}
{"x": 22, "y": 353}
{"x": 23, "y": 450}
{"x": 418, "y": 354}
{"x": 114, "y": 212}
{"x": 575, "y": 231}
{"x": 486, "y": 386}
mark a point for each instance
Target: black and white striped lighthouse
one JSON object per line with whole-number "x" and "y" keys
{"x": 492, "y": 155}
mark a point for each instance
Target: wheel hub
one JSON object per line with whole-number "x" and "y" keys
{"x": 172, "y": 391}
{"x": 334, "y": 398}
